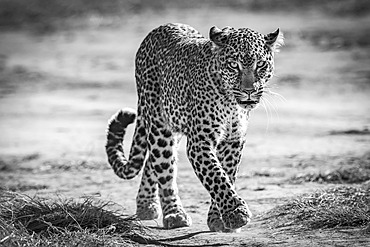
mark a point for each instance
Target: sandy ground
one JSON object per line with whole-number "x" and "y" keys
{"x": 58, "y": 90}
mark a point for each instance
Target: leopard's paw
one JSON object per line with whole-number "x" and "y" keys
{"x": 237, "y": 218}
{"x": 176, "y": 220}
{"x": 217, "y": 225}
{"x": 149, "y": 211}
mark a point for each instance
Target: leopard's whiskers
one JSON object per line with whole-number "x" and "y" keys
{"x": 277, "y": 95}
{"x": 272, "y": 106}
{"x": 268, "y": 115}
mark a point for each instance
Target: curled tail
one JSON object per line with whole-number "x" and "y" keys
{"x": 117, "y": 126}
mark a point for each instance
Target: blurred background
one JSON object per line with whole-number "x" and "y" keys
{"x": 67, "y": 65}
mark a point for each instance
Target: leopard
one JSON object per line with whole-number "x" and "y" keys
{"x": 203, "y": 89}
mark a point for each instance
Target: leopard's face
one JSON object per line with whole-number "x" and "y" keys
{"x": 246, "y": 62}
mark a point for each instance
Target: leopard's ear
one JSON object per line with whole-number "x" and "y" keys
{"x": 274, "y": 40}
{"x": 218, "y": 36}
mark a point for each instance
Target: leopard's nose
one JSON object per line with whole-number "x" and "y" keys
{"x": 247, "y": 80}
{"x": 248, "y": 91}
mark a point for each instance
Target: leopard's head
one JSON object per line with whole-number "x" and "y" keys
{"x": 245, "y": 61}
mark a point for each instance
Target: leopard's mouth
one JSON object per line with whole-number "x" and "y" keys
{"x": 247, "y": 104}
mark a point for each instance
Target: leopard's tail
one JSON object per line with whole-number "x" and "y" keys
{"x": 123, "y": 168}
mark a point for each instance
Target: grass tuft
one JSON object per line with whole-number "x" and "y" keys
{"x": 26, "y": 221}
{"x": 344, "y": 206}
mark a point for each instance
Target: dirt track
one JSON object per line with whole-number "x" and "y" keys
{"x": 58, "y": 91}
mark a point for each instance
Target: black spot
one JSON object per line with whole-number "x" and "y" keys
{"x": 214, "y": 161}
{"x": 206, "y": 130}
{"x": 229, "y": 158}
{"x": 152, "y": 159}
{"x": 235, "y": 145}
{"x": 162, "y": 180}
{"x": 201, "y": 137}
{"x": 137, "y": 160}
{"x": 200, "y": 176}
{"x": 215, "y": 188}
{"x": 206, "y": 156}
{"x": 156, "y": 153}
{"x": 166, "y": 133}
{"x": 135, "y": 151}
{"x": 151, "y": 182}
{"x": 143, "y": 145}
{"x": 165, "y": 165}
{"x": 158, "y": 168}
{"x": 207, "y": 187}
{"x": 167, "y": 154}
{"x": 204, "y": 171}
{"x": 196, "y": 166}
{"x": 154, "y": 131}
{"x": 161, "y": 143}
{"x": 192, "y": 154}
{"x": 141, "y": 131}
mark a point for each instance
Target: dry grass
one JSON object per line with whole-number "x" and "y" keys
{"x": 26, "y": 221}
{"x": 351, "y": 170}
{"x": 18, "y": 186}
{"x": 33, "y": 221}
{"x": 346, "y": 175}
{"x": 344, "y": 206}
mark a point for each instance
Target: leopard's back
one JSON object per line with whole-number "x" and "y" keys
{"x": 168, "y": 63}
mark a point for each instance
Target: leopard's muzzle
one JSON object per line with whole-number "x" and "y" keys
{"x": 248, "y": 98}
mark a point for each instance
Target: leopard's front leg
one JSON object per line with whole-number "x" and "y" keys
{"x": 229, "y": 153}
{"x": 203, "y": 157}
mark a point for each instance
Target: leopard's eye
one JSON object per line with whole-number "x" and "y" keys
{"x": 233, "y": 65}
{"x": 261, "y": 63}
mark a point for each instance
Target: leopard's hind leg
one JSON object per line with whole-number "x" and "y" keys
{"x": 147, "y": 199}
{"x": 163, "y": 164}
